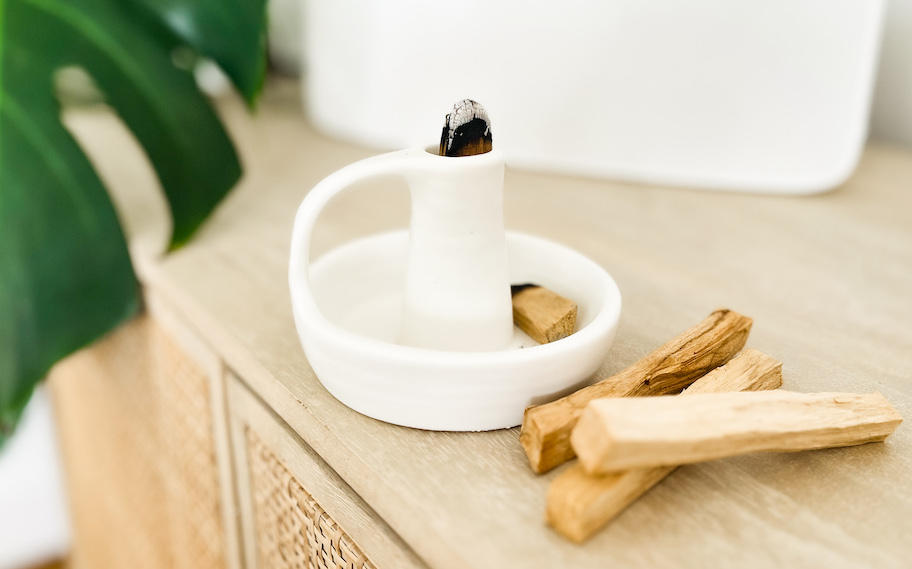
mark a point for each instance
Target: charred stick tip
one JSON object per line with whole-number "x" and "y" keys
{"x": 467, "y": 130}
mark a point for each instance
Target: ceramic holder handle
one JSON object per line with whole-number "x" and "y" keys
{"x": 457, "y": 291}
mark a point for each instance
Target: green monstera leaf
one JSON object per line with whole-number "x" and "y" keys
{"x": 65, "y": 276}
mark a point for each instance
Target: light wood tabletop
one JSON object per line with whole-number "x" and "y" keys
{"x": 827, "y": 280}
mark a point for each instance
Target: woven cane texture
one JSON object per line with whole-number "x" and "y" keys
{"x": 136, "y": 432}
{"x": 293, "y": 531}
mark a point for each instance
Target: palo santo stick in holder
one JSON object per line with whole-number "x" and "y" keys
{"x": 668, "y": 369}
{"x": 621, "y": 434}
{"x": 542, "y": 314}
{"x": 579, "y": 503}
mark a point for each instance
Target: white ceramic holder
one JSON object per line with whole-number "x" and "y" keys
{"x": 352, "y": 306}
{"x": 457, "y": 284}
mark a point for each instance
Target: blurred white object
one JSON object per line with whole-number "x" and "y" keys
{"x": 892, "y": 117}
{"x": 285, "y": 35}
{"x": 732, "y": 94}
{"x": 211, "y": 79}
{"x": 34, "y": 527}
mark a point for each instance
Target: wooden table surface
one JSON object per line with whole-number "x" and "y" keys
{"x": 827, "y": 279}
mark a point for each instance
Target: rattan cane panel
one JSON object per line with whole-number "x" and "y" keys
{"x": 136, "y": 431}
{"x": 293, "y": 531}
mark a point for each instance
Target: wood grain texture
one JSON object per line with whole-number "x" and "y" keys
{"x": 543, "y": 314}
{"x": 197, "y": 349}
{"x": 621, "y": 434}
{"x": 135, "y": 426}
{"x": 667, "y": 369}
{"x": 826, "y": 279}
{"x": 355, "y": 518}
{"x": 579, "y": 504}
{"x": 750, "y": 370}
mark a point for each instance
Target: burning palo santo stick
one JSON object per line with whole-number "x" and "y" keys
{"x": 467, "y": 130}
{"x": 622, "y": 434}
{"x": 579, "y": 503}
{"x": 542, "y": 314}
{"x": 668, "y": 369}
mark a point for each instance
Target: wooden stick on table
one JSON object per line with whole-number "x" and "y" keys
{"x": 579, "y": 504}
{"x": 622, "y": 434}
{"x": 546, "y": 428}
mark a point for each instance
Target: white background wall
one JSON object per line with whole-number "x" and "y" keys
{"x": 34, "y": 528}
{"x": 892, "y": 113}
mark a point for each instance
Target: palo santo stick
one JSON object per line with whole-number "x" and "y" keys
{"x": 579, "y": 504}
{"x": 622, "y": 434}
{"x": 542, "y": 314}
{"x": 546, "y": 428}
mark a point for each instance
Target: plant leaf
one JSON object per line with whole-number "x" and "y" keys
{"x": 65, "y": 274}
{"x": 232, "y": 32}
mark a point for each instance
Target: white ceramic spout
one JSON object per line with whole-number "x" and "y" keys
{"x": 457, "y": 287}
